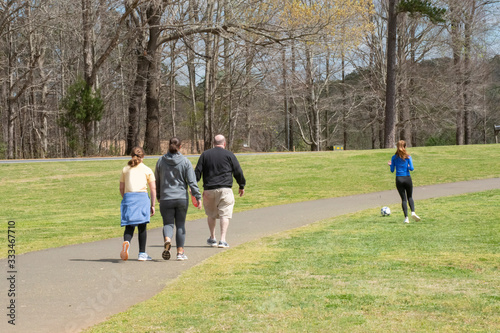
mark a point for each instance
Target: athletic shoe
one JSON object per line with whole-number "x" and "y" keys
{"x": 124, "y": 253}
{"x": 166, "y": 253}
{"x": 415, "y": 217}
{"x": 223, "y": 244}
{"x": 212, "y": 242}
{"x": 181, "y": 256}
{"x": 143, "y": 256}
{"x": 407, "y": 220}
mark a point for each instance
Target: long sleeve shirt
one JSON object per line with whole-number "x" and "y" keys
{"x": 217, "y": 166}
{"x": 403, "y": 167}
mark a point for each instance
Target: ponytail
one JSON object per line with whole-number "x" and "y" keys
{"x": 174, "y": 145}
{"x": 401, "y": 152}
{"x": 137, "y": 154}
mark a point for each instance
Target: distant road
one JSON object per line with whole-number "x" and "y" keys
{"x": 75, "y": 159}
{"x": 79, "y": 159}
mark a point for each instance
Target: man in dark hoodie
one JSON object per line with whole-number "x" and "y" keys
{"x": 174, "y": 173}
{"x": 218, "y": 166}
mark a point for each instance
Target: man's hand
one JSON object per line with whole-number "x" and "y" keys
{"x": 241, "y": 191}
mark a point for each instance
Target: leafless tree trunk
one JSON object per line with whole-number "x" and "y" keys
{"x": 311, "y": 103}
{"x": 152, "y": 135}
{"x": 403, "y": 79}
{"x": 344, "y": 101}
{"x": 468, "y": 27}
{"x": 194, "y": 109}
{"x": 134, "y": 108}
{"x": 249, "y": 58}
{"x": 390, "y": 93}
{"x": 292, "y": 110}
{"x": 172, "y": 77}
{"x": 464, "y": 24}
{"x": 88, "y": 66}
{"x": 207, "y": 96}
{"x": 192, "y": 80}
{"x": 288, "y": 144}
{"x": 228, "y": 95}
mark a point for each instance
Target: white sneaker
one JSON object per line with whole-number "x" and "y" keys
{"x": 223, "y": 244}
{"x": 143, "y": 256}
{"x": 407, "y": 220}
{"x": 415, "y": 216}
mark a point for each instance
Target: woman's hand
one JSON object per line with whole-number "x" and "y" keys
{"x": 152, "y": 210}
{"x": 389, "y": 163}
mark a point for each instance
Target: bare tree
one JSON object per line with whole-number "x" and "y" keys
{"x": 423, "y": 7}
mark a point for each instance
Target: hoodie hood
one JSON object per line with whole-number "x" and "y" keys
{"x": 172, "y": 159}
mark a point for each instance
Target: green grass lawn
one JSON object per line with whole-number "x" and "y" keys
{"x": 354, "y": 273}
{"x": 61, "y": 203}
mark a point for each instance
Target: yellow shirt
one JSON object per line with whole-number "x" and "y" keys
{"x": 136, "y": 179}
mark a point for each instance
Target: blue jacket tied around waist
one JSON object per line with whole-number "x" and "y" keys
{"x": 135, "y": 208}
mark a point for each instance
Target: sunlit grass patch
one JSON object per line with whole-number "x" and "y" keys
{"x": 354, "y": 273}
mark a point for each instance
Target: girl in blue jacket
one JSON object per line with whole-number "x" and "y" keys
{"x": 403, "y": 164}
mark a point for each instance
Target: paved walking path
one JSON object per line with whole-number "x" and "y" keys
{"x": 70, "y": 288}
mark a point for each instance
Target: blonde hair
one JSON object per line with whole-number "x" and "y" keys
{"x": 401, "y": 151}
{"x": 137, "y": 154}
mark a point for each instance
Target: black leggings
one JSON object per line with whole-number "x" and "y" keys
{"x": 405, "y": 189}
{"x": 174, "y": 212}
{"x": 129, "y": 233}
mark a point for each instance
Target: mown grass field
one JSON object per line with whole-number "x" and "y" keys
{"x": 61, "y": 203}
{"x": 354, "y": 273}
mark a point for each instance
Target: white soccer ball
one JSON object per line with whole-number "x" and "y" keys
{"x": 385, "y": 211}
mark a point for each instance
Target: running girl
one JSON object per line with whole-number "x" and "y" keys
{"x": 403, "y": 164}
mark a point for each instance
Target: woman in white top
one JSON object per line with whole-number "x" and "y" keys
{"x": 136, "y": 206}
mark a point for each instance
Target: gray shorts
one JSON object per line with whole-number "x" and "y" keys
{"x": 219, "y": 203}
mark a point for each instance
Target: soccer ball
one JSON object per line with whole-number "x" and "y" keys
{"x": 385, "y": 211}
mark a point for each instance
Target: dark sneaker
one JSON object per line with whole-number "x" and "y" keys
{"x": 212, "y": 242}
{"x": 124, "y": 252}
{"x": 181, "y": 256}
{"x": 223, "y": 244}
{"x": 166, "y": 253}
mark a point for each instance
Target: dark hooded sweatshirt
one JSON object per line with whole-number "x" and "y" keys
{"x": 174, "y": 173}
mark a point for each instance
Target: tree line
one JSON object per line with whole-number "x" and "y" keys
{"x": 98, "y": 77}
